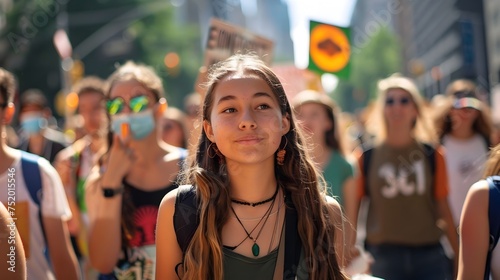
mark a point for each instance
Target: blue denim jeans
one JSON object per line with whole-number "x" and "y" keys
{"x": 106, "y": 277}
{"x": 396, "y": 262}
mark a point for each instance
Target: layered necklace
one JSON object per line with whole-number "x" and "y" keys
{"x": 253, "y": 204}
{"x": 263, "y": 220}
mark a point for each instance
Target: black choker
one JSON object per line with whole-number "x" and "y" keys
{"x": 256, "y": 203}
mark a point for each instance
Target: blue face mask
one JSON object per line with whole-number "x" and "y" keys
{"x": 141, "y": 124}
{"x": 33, "y": 123}
{"x": 116, "y": 124}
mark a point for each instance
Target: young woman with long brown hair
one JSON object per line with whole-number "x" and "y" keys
{"x": 250, "y": 175}
{"x": 464, "y": 128}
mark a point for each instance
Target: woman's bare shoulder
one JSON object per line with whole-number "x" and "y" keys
{"x": 334, "y": 206}
{"x": 332, "y": 202}
{"x": 168, "y": 201}
{"x": 478, "y": 192}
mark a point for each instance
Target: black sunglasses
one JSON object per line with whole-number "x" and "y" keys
{"x": 392, "y": 101}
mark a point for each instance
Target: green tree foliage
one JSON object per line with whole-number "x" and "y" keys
{"x": 379, "y": 57}
{"x": 159, "y": 35}
{"x": 26, "y": 47}
{"x": 104, "y": 34}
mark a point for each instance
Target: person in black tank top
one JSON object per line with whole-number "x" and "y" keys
{"x": 123, "y": 193}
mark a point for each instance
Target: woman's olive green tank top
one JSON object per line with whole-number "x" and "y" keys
{"x": 239, "y": 267}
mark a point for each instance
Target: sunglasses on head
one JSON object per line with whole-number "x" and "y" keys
{"x": 403, "y": 101}
{"x": 136, "y": 104}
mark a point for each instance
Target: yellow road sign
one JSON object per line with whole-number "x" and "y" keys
{"x": 329, "y": 48}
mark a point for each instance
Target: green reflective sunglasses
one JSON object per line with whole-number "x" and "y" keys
{"x": 137, "y": 104}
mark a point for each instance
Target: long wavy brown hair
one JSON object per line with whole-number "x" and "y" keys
{"x": 298, "y": 176}
{"x": 462, "y": 88}
{"x": 444, "y": 125}
{"x": 422, "y": 130}
{"x": 493, "y": 163}
{"x": 333, "y": 136}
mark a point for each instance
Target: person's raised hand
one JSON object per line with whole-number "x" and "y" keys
{"x": 120, "y": 159}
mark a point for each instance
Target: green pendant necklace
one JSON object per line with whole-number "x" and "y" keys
{"x": 265, "y": 217}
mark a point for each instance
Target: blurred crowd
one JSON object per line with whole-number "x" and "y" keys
{"x": 401, "y": 169}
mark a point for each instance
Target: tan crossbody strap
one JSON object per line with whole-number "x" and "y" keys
{"x": 280, "y": 262}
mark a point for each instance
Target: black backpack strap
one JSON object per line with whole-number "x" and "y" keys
{"x": 493, "y": 218}
{"x": 367, "y": 156}
{"x": 430, "y": 154}
{"x": 487, "y": 142}
{"x": 494, "y": 208}
{"x": 186, "y": 215}
{"x": 293, "y": 244}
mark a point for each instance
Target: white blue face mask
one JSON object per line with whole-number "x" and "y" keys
{"x": 33, "y": 123}
{"x": 141, "y": 124}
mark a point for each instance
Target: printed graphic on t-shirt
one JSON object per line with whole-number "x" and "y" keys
{"x": 139, "y": 264}
{"x": 398, "y": 179}
{"x": 471, "y": 167}
{"x": 145, "y": 222}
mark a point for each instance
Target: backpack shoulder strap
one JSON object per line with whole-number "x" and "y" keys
{"x": 33, "y": 181}
{"x": 494, "y": 209}
{"x": 367, "y": 156}
{"x": 31, "y": 175}
{"x": 186, "y": 215}
{"x": 430, "y": 153}
{"x": 487, "y": 141}
{"x": 493, "y": 218}
{"x": 293, "y": 244}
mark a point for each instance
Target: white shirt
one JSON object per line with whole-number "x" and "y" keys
{"x": 465, "y": 163}
{"x": 54, "y": 204}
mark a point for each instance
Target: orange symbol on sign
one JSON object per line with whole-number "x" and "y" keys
{"x": 329, "y": 48}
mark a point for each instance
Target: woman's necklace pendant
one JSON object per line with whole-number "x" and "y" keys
{"x": 255, "y": 250}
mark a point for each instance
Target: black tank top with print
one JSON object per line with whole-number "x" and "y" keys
{"x": 146, "y": 205}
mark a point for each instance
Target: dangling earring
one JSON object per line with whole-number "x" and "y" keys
{"x": 280, "y": 156}
{"x": 213, "y": 146}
